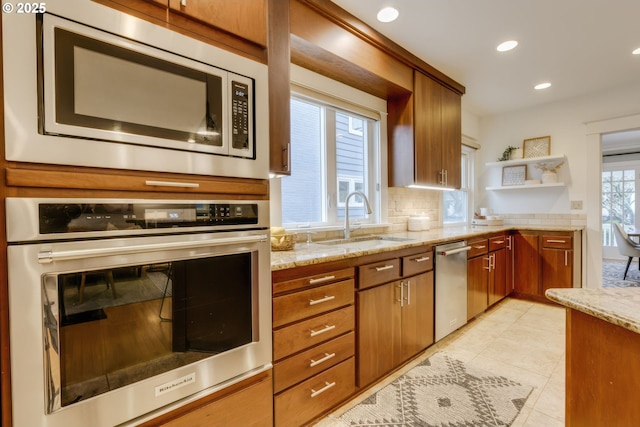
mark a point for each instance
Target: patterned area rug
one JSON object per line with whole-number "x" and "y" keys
{"x": 442, "y": 391}
{"x": 613, "y": 271}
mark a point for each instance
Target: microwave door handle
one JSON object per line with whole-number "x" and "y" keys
{"x": 46, "y": 257}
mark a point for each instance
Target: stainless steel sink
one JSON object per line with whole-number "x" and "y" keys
{"x": 370, "y": 241}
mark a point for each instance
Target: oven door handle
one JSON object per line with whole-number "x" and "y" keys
{"x": 46, "y": 257}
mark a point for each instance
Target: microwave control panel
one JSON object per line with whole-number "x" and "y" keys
{"x": 240, "y": 115}
{"x": 74, "y": 218}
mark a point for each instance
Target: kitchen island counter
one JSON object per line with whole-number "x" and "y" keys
{"x": 603, "y": 355}
{"x": 618, "y": 306}
{"x": 317, "y": 252}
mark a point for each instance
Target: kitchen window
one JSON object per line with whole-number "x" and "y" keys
{"x": 457, "y": 205}
{"x": 334, "y": 152}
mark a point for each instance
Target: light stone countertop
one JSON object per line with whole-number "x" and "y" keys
{"x": 316, "y": 252}
{"x": 619, "y": 306}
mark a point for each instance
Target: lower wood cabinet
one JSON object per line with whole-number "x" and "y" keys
{"x": 544, "y": 260}
{"x": 395, "y": 322}
{"x": 486, "y": 273}
{"x": 227, "y": 407}
{"x": 303, "y": 402}
{"x": 313, "y": 343}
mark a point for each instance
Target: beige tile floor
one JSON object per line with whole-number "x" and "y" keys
{"x": 523, "y": 341}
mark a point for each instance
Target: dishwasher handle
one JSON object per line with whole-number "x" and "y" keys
{"x": 454, "y": 251}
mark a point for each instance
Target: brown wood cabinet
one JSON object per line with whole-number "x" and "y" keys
{"x": 478, "y": 265}
{"x": 603, "y": 373}
{"x": 498, "y": 269}
{"x": 430, "y": 155}
{"x": 227, "y": 407}
{"x": 395, "y": 319}
{"x": 244, "y": 18}
{"x": 486, "y": 273}
{"x": 543, "y": 260}
{"x": 557, "y": 262}
{"x": 313, "y": 344}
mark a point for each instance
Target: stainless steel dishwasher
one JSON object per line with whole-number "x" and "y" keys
{"x": 451, "y": 287}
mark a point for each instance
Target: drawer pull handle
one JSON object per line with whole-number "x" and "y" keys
{"x": 499, "y": 242}
{"x": 172, "y": 184}
{"x": 480, "y": 247}
{"x": 321, "y": 300}
{"x": 423, "y": 259}
{"x": 321, "y": 279}
{"x": 326, "y": 357}
{"x": 556, "y": 241}
{"x": 327, "y": 328}
{"x": 386, "y": 267}
{"x": 327, "y": 386}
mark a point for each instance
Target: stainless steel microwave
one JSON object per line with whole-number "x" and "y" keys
{"x": 86, "y": 85}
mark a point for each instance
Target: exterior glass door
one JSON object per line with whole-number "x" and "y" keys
{"x": 619, "y": 184}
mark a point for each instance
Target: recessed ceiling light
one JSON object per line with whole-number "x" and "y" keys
{"x": 388, "y": 14}
{"x": 508, "y": 45}
{"x": 542, "y": 86}
{"x": 636, "y": 52}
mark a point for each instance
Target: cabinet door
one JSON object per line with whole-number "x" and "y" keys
{"x": 477, "y": 285}
{"x": 417, "y": 315}
{"x": 451, "y": 116}
{"x": 244, "y": 18}
{"x": 557, "y": 268}
{"x": 428, "y": 130}
{"x": 379, "y": 331}
{"x": 498, "y": 276}
{"x": 526, "y": 261}
{"x": 509, "y": 264}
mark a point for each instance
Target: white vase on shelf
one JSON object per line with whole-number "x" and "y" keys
{"x": 549, "y": 177}
{"x": 516, "y": 154}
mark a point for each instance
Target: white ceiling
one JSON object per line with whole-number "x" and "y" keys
{"x": 580, "y": 46}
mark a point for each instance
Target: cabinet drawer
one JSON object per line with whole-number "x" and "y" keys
{"x": 311, "y": 362}
{"x": 478, "y": 247}
{"x": 301, "y": 335}
{"x": 559, "y": 242}
{"x": 378, "y": 272}
{"x": 303, "y": 304}
{"x": 498, "y": 242}
{"x": 315, "y": 280}
{"x": 300, "y": 404}
{"x": 416, "y": 264}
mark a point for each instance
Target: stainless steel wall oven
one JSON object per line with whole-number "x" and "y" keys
{"x": 124, "y": 308}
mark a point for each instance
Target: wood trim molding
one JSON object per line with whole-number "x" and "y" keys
{"x": 342, "y": 18}
{"x": 29, "y": 181}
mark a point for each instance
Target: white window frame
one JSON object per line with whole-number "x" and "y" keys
{"x": 467, "y": 185}
{"x": 343, "y": 97}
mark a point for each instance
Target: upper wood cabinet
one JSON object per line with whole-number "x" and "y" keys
{"x": 279, "y": 87}
{"x": 244, "y": 18}
{"x": 425, "y": 136}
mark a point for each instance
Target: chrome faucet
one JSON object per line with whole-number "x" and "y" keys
{"x": 347, "y": 227}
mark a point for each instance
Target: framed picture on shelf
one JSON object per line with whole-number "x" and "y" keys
{"x": 536, "y": 147}
{"x": 514, "y": 175}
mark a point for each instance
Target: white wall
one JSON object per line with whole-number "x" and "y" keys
{"x": 565, "y": 122}
{"x": 575, "y": 127}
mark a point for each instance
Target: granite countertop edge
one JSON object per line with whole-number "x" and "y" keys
{"x": 618, "y": 306}
{"x": 315, "y": 253}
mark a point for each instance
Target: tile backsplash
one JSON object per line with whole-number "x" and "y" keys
{"x": 572, "y": 220}
{"x": 404, "y": 202}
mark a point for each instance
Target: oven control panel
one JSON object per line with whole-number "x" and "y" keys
{"x": 105, "y": 217}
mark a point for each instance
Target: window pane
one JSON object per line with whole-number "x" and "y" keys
{"x": 455, "y": 206}
{"x": 302, "y": 192}
{"x": 351, "y": 161}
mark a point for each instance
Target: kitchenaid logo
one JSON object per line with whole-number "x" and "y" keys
{"x": 175, "y": 384}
